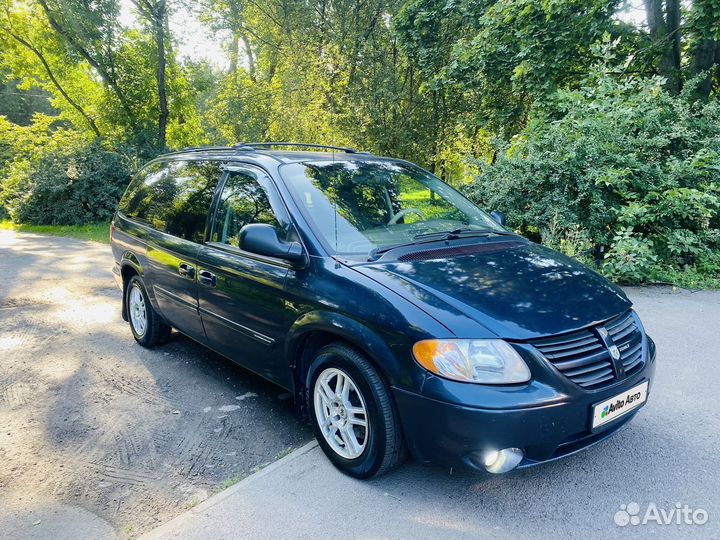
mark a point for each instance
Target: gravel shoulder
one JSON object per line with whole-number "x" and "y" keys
{"x": 94, "y": 425}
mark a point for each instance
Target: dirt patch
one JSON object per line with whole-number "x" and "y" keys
{"x": 91, "y": 420}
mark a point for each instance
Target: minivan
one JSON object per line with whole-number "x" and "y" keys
{"x": 402, "y": 318}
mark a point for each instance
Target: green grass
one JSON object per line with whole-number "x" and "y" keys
{"x": 688, "y": 279}
{"x": 96, "y": 232}
{"x": 232, "y": 481}
{"x": 284, "y": 453}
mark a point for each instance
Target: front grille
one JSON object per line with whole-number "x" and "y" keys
{"x": 583, "y": 357}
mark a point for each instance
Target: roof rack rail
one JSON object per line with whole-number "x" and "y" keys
{"x": 201, "y": 149}
{"x": 253, "y": 146}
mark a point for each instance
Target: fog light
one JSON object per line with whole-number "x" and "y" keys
{"x": 502, "y": 461}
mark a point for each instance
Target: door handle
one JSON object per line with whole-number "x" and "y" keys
{"x": 207, "y": 278}
{"x": 184, "y": 269}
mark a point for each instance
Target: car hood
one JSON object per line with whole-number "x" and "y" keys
{"x": 515, "y": 289}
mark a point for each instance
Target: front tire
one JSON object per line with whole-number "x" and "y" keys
{"x": 146, "y": 325}
{"x": 353, "y": 416}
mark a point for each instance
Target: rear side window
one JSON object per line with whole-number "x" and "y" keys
{"x": 173, "y": 197}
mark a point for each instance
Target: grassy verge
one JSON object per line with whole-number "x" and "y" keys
{"x": 96, "y": 232}
{"x": 689, "y": 279}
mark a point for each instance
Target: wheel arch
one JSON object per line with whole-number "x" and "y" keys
{"x": 316, "y": 329}
{"x": 129, "y": 267}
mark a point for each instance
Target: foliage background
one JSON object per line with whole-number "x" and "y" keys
{"x": 596, "y": 136}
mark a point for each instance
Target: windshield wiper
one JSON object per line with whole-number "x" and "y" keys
{"x": 425, "y": 238}
{"x": 377, "y": 251}
{"x": 460, "y": 233}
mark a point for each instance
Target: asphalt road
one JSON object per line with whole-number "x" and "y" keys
{"x": 102, "y": 437}
{"x": 667, "y": 456}
{"x": 98, "y": 434}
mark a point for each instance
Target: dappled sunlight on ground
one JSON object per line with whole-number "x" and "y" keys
{"x": 93, "y": 420}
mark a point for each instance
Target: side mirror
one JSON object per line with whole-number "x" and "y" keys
{"x": 499, "y": 217}
{"x": 262, "y": 239}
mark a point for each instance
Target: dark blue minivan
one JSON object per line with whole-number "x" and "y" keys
{"x": 403, "y": 318}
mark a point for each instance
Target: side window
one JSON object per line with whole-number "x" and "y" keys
{"x": 195, "y": 183}
{"x": 173, "y": 197}
{"x": 142, "y": 195}
{"x": 245, "y": 199}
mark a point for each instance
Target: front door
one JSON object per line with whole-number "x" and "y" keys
{"x": 241, "y": 294}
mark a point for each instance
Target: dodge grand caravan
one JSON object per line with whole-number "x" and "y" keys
{"x": 402, "y": 317}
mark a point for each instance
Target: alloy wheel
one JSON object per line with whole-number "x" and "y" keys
{"x": 137, "y": 309}
{"x": 341, "y": 413}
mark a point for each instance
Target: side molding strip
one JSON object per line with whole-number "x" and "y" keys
{"x": 232, "y": 325}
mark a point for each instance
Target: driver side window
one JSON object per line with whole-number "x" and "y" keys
{"x": 244, "y": 199}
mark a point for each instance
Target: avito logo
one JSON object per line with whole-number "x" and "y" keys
{"x": 681, "y": 514}
{"x": 619, "y": 404}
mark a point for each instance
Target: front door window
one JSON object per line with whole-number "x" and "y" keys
{"x": 245, "y": 199}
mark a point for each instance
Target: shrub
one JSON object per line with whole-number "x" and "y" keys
{"x": 630, "y": 258}
{"x": 60, "y": 178}
{"x": 74, "y": 187}
{"x": 630, "y": 170}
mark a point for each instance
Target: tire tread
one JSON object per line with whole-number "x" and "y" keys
{"x": 394, "y": 451}
{"x": 158, "y": 330}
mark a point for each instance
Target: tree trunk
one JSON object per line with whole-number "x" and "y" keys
{"x": 250, "y": 56}
{"x": 436, "y": 135}
{"x": 673, "y": 29}
{"x": 703, "y": 60}
{"x": 234, "y": 53}
{"x": 663, "y": 18}
{"x": 159, "y": 24}
{"x": 155, "y": 13}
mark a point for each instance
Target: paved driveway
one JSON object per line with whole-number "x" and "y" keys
{"x": 667, "y": 456}
{"x": 98, "y": 432}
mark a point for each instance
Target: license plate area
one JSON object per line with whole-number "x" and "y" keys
{"x": 619, "y": 405}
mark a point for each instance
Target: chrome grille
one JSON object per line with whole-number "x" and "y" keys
{"x": 583, "y": 357}
{"x": 625, "y": 333}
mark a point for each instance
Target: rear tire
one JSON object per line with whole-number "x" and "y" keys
{"x": 352, "y": 413}
{"x": 146, "y": 325}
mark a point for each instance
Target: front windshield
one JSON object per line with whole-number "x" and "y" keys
{"x": 357, "y": 206}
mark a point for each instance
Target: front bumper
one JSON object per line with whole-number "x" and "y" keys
{"x": 458, "y": 435}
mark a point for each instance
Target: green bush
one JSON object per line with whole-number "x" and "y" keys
{"x": 630, "y": 258}
{"x": 74, "y": 187}
{"x": 618, "y": 167}
{"x": 57, "y": 177}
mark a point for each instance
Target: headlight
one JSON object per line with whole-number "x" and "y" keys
{"x": 488, "y": 361}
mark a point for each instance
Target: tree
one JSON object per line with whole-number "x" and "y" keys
{"x": 663, "y": 20}
{"x": 155, "y": 13}
{"x": 90, "y": 30}
{"x": 93, "y": 33}
{"x": 502, "y": 56}
{"x": 25, "y": 32}
{"x": 682, "y": 43}
{"x": 328, "y": 71}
